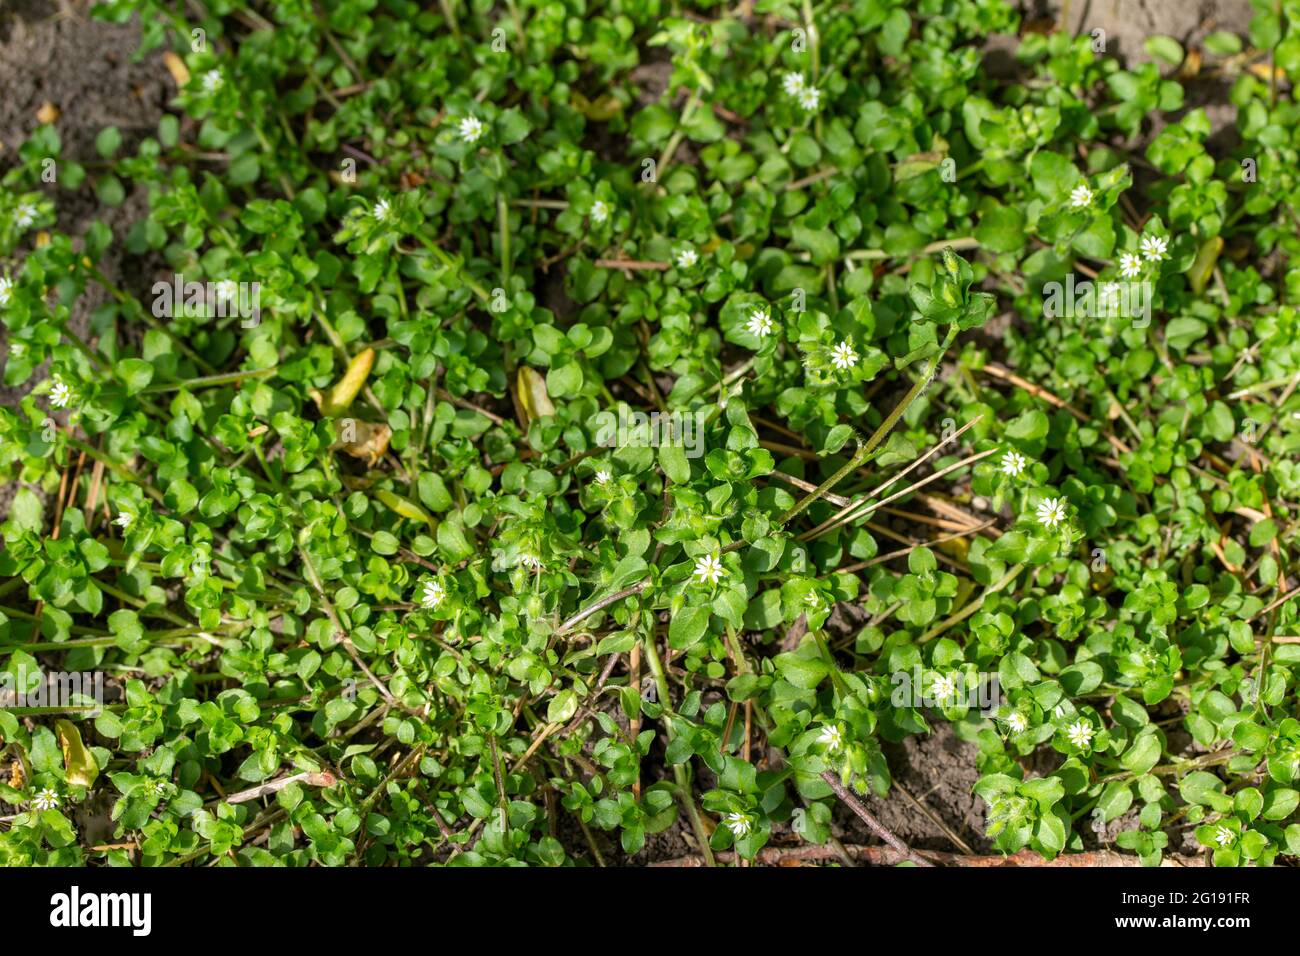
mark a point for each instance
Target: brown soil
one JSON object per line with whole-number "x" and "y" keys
{"x": 53, "y": 53}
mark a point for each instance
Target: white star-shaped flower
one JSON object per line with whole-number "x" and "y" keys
{"x": 686, "y": 258}
{"x": 159, "y": 786}
{"x": 6, "y": 291}
{"x": 60, "y": 394}
{"x": 708, "y": 567}
{"x": 16, "y": 349}
{"x": 1017, "y": 722}
{"x": 382, "y": 210}
{"x": 1080, "y": 733}
{"x": 1223, "y": 836}
{"x": 212, "y": 81}
{"x": 1013, "y": 463}
{"x": 831, "y": 737}
{"x": 738, "y": 824}
{"x": 1051, "y": 511}
{"x": 47, "y": 799}
{"x": 599, "y": 212}
{"x": 760, "y": 323}
{"x": 471, "y": 129}
{"x": 227, "y": 290}
{"x": 843, "y": 356}
{"x": 810, "y": 98}
{"x": 1080, "y": 196}
{"x": 530, "y": 560}
{"x": 1130, "y": 266}
{"x": 792, "y": 83}
{"x": 433, "y": 594}
{"x": 124, "y": 519}
{"x": 1154, "y": 247}
{"x": 944, "y": 688}
{"x": 25, "y": 215}
{"x": 603, "y": 476}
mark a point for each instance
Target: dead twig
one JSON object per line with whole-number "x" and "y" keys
{"x": 866, "y": 816}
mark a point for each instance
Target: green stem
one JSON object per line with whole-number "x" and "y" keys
{"x": 651, "y": 654}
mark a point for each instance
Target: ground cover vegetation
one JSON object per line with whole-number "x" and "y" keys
{"x": 575, "y": 422}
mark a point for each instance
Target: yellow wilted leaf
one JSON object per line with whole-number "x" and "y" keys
{"x": 403, "y": 506}
{"x": 177, "y": 68}
{"x": 346, "y": 389}
{"x": 1261, "y": 71}
{"x": 532, "y": 393}
{"x": 602, "y": 109}
{"x": 363, "y": 440}
{"x": 78, "y": 764}
{"x": 957, "y": 548}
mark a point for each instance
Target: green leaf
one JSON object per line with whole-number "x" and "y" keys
{"x": 1163, "y": 48}
{"x": 688, "y": 627}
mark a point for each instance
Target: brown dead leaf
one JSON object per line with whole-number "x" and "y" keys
{"x": 48, "y": 113}
{"x": 368, "y": 440}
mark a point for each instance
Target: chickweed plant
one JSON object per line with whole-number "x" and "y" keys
{"x": 541, "y": 426}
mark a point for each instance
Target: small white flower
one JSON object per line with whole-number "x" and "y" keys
{"x": 792, "y": 83}
{"x": 1018, "y": 722}
{"x": 811, "y": 599}
{"x": 124, "y": 519}
{"x": 1223, "y": 836}
{"x": 212, "y": 81}
{"x": 471, "y": 129}
{"x": 47, "y": 799}
{"x": 686, "y": 258}
{"x": 60, "y": 394}
{"x": 738, "y": 824}
{"x": 760, "y": 323}
{"x": 810, "y": 98}
{"x": 603, "y": 476}
{"x": 1080, "y": 196}
{"x": 159, "y": 786}
{"x": 433, "y": 594}
{"x": 1051, "y": 512}
{"x": 843, "y": 356}
{"x": 227, "y": 290}
{"x": 25, "y": 215}
{"x": 709, "y": 568}
{"x": 831, "y": 737}
{"x": 6, "y": 291}
{"x": 599, "y": 212}
{"x": 530, "y": 561}
{"x": 944, "y": 688}
{"x": 382, "y": 210}
{"x": 1154, "y": 247}
{"x": 1130, "y": 266}
{"x": 1013, "y": 463}
{"x": 16, "y": 349}
{"x": 1109, "y": 295}
{"x": 1080, "y": 733}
